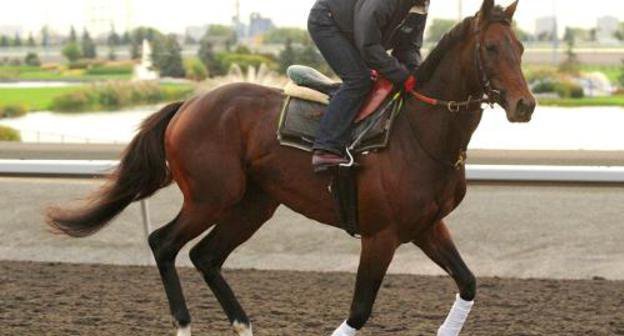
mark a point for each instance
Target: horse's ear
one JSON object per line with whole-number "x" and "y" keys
{"x": 511, "y": 10}
{"x": 487, "y": 7}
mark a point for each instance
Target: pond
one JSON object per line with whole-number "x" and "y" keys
{"x": 42, "y": 84}
{"x": 588, "y": 128}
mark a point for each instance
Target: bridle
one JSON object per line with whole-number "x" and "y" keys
{"x": 490, "y": 96}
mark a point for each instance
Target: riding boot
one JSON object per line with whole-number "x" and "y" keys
{"x": 345, "y": 193}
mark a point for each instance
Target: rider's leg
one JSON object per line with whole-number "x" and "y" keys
{"x": 344, "y": 58}
{"x": 438, "y": 245}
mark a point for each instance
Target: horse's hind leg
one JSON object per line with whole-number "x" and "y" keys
{"x": 166, "y": 242}
{"x": 439, "y": 246}
{"x": 238, "y": 225}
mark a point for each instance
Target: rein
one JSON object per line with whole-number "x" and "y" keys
{"x": 490, "y": 96}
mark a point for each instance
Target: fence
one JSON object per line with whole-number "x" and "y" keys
{"x": 494, "y": 173}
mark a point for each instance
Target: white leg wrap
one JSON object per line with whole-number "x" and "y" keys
{"x": 242, "y": 329}
{"x": 456, "y": 318}
{"x": 344, "y": 330}
{"x": 186, "y": 331}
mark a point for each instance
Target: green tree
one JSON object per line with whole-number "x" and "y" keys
{"x": 189, "y": 40}
{"x": 17, "y": 41}
{"x": 145, "y": 33}
{"x": 282, "y": 35}
{"x": 72, "y": 52}
{"x": 4, "y": 41}
{"x": 73, "y": 37}
{"x": 168, "y": 57}
{"x": 287, "y": 57}
{"x": 571, "y": 65}
{"x": 45, "y": 36}
{"x": 619, "y": 34}
{"x": 222, "y": 33}
{"x": 621, "y": 78}
{"x": 31, "y": 41}
{"x": 126, "y": 39}
{"x": 521, "y": 34}
{"x": 207, "y": 56}
{"x": 113, "y": 40}
{"x": 89, "y": 49}
{"x": 438, "y": 28}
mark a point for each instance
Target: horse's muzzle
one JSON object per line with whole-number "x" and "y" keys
{"x": 522, "y": 110}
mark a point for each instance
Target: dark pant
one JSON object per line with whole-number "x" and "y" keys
{"x": 344, "y": 58}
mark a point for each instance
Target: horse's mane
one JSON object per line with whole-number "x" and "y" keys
{"x": 457, "y": 34}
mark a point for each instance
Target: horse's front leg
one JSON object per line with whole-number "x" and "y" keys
{"x": 376, "y": 255}
{"x": 439, "y": 246}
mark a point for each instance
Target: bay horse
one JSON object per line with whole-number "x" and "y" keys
{"x": 221, "y": 150}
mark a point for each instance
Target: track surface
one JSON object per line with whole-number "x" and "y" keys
{"x": 64, "y": 299}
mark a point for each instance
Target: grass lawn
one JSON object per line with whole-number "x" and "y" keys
{"x": 34, "y": 99}
{"x": 38, "y": 99}
{"x": 594, "y": 101}
{"x": 28, "y": 73}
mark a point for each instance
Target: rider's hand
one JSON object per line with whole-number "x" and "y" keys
{"x": 409, "y": 84}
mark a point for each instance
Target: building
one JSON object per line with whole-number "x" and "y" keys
{"x": 259, "y": 25}
{"x": 197, "y": 32}
{"x": 101, "y": 16}
{"x": 606, "y": 29}
{"x": 10, "y": 31}
{"x": 546, "y": 28}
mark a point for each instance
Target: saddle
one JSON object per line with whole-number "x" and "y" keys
{"x": 307, "y": 95}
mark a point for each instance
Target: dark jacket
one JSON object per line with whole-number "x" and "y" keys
{"x": 376, "y": 26}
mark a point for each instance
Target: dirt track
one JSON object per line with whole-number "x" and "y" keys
{"x": 62, "y": 299}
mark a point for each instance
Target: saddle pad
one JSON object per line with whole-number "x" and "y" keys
{"x": 299, "y": 122}
{"x": 294, "y": 90}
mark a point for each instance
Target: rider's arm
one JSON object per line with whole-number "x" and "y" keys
{"x": 410, "y": 40}
{"x": 370, "y": 16}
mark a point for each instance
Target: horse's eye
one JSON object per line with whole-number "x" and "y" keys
{"x": 491, "y": 48}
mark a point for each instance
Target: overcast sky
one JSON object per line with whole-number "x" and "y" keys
{"x": 174, "y": 16}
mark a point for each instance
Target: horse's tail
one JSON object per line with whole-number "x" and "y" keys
{"x": 141, "y": 172}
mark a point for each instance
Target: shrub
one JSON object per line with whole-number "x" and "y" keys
{"x": 544, "y": 86}
{"x": 32, "y": 59}
{"x": 116, "y": 95}
{"x": 111, "y": 69}
{"x": 568, "y": 89}
{"x": 12, "y": 111}
{"x": 226, "y": 60}
{"x": 73, "y": 101}
{"x": 72, "y": 52}
{"x": 9, "y": 134}
{"x": 80, "y": 64}
{"x": 195, "y": 69}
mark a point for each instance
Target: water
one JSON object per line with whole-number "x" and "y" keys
{"x": 96, "y": 127}
{"x": 29, "y": 85}
{"x": 587, "y": 128}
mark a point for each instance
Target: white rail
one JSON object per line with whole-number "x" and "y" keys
{"x": 510, "y": 173}
{"x": 502, "y": 173}
{"x": 65, "y": 168}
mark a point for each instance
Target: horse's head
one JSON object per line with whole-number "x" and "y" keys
{"x": 499, "y": 61}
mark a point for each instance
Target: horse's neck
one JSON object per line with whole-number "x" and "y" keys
{"x": 445, "y": 135}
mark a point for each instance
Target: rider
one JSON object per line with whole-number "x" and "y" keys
{"x": 354, "y": 36}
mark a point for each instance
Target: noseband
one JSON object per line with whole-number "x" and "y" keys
{"x": 490, "y": 96}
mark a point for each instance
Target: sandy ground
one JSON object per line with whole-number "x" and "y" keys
{"x": 521, "y": 231}
{"x": 62, "y": 299}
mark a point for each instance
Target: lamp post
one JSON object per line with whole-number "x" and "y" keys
{"x": 460, "y": 10}
{"x": 555, "y": 37}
